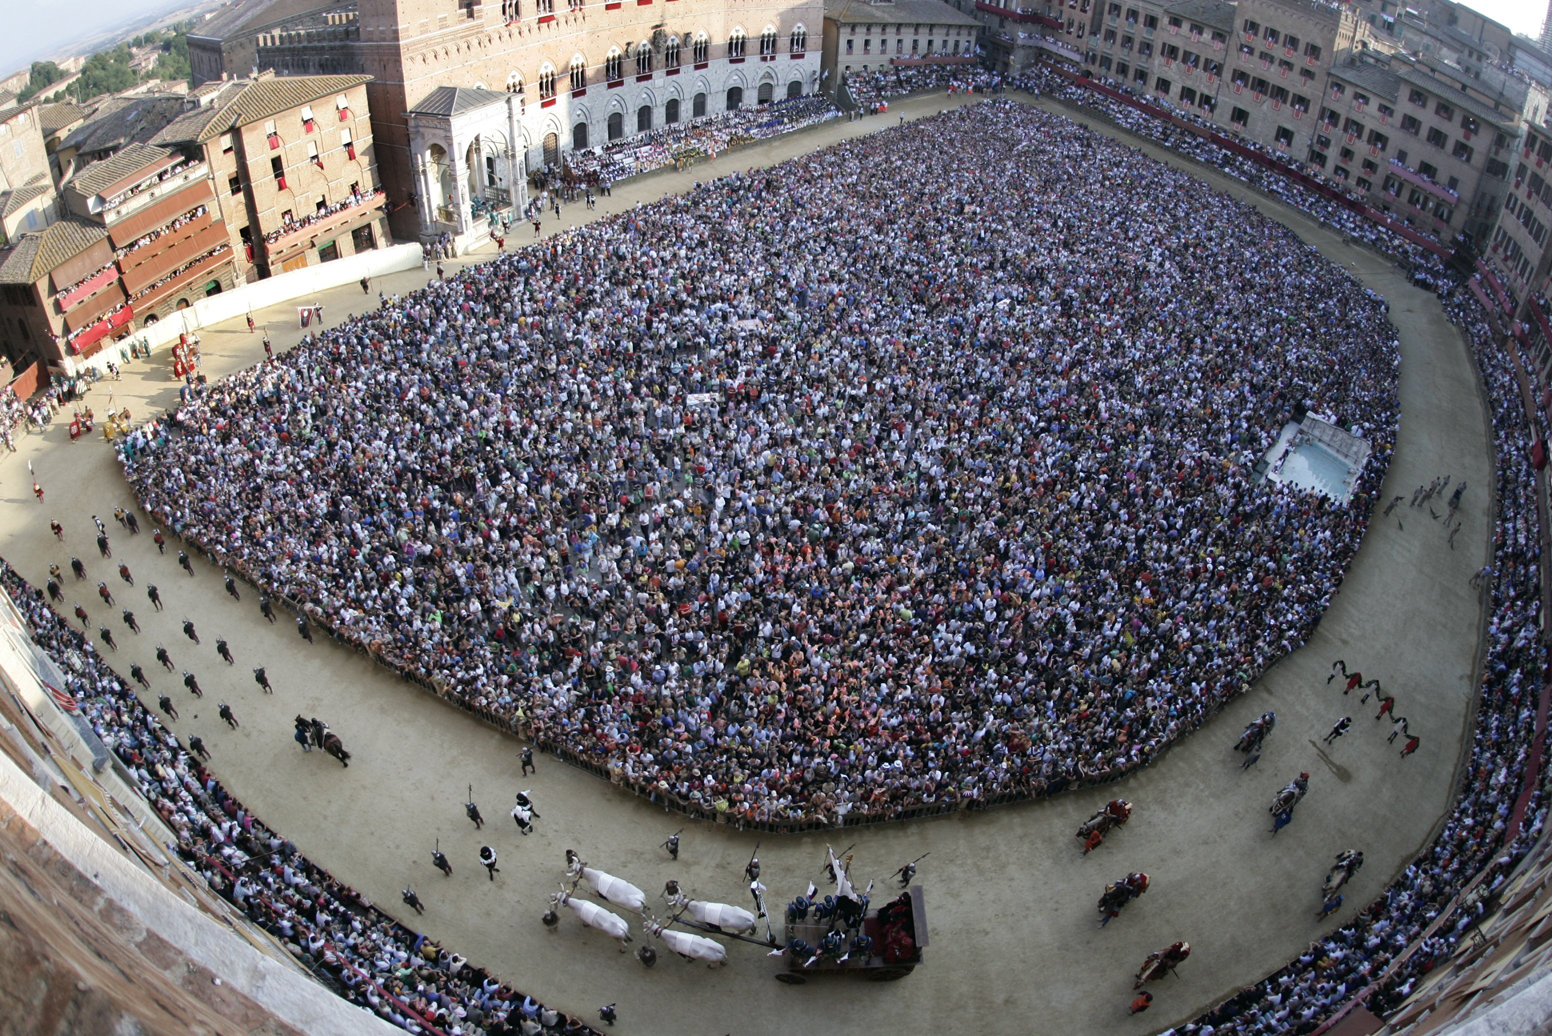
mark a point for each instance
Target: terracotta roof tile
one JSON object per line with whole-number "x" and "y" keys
{"x": 36, "y": 254}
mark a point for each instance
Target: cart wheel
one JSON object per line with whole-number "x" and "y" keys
{"x": 790, "y": 979}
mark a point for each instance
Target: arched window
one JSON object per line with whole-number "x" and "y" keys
{"x": 643, "y": 58}
{"x": 514, "y": 82}
{"x": 736, "y": 44}
{"x": 511, "y": 10}
{"x": 546, "y": 82}
{"x": 795, "y": 88}
{"x": 579, "y": 136}
{"x": 702, "y": 48}
{"x": 671, "y": 111}
{"x": 616, "y": 126}
{"x": 735, "y": 98}
{"x": 644, "y": 118}
{"x": 544, "y": 6}
{"x": 671, "y": 52}
{"x": 767, "y": 42}
{"x": 698, "y": 107}
{"x": 767, "y": 93}
{"x": 612, "y": 63}
{"x": 579, "y": 73}
{"x": 799, "y": 41}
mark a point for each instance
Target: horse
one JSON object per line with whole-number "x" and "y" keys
{"x": 1289, "y": 796}
{"x": 1115, "y": 813}
{"x": 333, "y": 745}
{"x": 1161, "y": 962}
{"x": 1347, "y": 865}
{"x": 1256, "y": 732}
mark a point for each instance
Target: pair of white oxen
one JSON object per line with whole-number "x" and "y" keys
{"x": 622, "y": 893}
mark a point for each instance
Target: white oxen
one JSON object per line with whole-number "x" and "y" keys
{"x": 694, "y": 947}
{"x": 595, "y": 916}
{"x": 726, "y": 917}
{"x": 616, "y": 890}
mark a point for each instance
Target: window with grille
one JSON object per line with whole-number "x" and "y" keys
{"x": 736, "y": 44}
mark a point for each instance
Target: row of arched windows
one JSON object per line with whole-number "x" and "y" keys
{"x": 644, "y": 56}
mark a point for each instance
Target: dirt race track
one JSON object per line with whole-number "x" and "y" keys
{"x": 1015, "y": 947}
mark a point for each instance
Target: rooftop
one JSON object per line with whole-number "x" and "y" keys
{"x": 455, "y": 100}
{"x": 124, "y": 120}
{"x": 1218, "y": 14}
{"x": 922, "y": 12}
{"x": 36, "y": 254}
{"x": 54, "y": 117}
{"x": 254, "y": 100}
{"x": 244, "y": 17}
{"x": 1381, "y": 82}
{"x": 12, "y": 201}
{"x": 118, "y": 171}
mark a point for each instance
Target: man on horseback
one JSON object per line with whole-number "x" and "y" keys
{"x": 1291, "y": 793}
{"x": 1347, "y": 864}
{"x": 1283, "y": 803}
{"x": 1256, "y": 732}
{"x": 1094, "y": 829}
{"x": 1120, "y": 893}
{"x": 1159, "y": 962}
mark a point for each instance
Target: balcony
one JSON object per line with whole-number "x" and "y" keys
{"x": 1437, "y": 190}
{"x": 95, "y": 309}
{"x": 296, "y": 238}
{"x": 151, "y": 251}
{"x": 172, "y": 184}
{"x": 100, "y": 279}
{"x": 192, "y": 278}
{"x": 1022, "y": 14}
{"x": 137, "y": 278}
{"x": 127, "y": 231}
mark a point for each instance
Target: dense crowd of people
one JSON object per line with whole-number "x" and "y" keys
{"x": 1334, "y": 970}
{"x": 704, "y": 137}
{"x": 1471, "y": 846}
{"x": 361, "y": 953}
{"x": 291, "y": 224}
{"x": 864, "y": 484}
{"x": 872, "y": 89}
{"x": 1276, "y": 182}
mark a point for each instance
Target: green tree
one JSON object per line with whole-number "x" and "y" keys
{"x": 105, "y": 72}
{"x": 44, "y": 73}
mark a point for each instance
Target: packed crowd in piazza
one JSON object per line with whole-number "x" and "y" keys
{"x": 700, "y": 138}
{"x": 1351, "y": 963}
{"x": 1334, "y": 969}
{"x": 1345, "y": 964}
{"x": 858, "y": 485}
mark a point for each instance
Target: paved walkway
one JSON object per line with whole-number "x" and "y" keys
{"x": 1011, "y": 900}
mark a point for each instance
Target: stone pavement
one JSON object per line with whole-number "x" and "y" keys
{"x": 1015, "y": 945}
